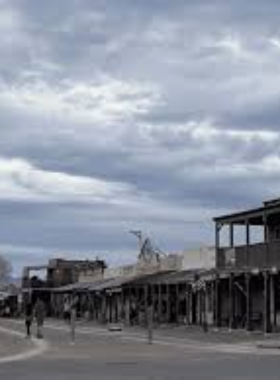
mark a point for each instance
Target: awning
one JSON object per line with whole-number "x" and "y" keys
{"x": 108, "y": 284}
{"x": 78, "y": 286}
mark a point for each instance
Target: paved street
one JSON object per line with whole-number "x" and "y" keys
{"x": 12, "y": 345}
{"x": 104, "y": 355}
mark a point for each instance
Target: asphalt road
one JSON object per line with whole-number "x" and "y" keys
{"x": 111, "y": 356}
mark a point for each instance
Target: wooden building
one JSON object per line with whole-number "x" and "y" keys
{"x": 247, "y": 280}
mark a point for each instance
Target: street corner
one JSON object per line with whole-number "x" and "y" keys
{"x": 15, "y": 347}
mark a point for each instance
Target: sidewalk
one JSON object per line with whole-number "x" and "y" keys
{"x": 191, "y": 333}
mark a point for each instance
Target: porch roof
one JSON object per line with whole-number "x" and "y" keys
{"x": 253, "y": 216}
{"x": 78, "y": 286}
{"x": 153, "y": 278}
{"x": 107, "y": 284}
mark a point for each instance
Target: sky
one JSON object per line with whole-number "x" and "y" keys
{"x": 133, "y": 114}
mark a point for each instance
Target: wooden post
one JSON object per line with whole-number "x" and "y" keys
{"x": 128, "y": 307}
{"x": 272, "y": 302}
{"x": 191, "y": 305}
{"x": 159, "y": 304}
{"x": 217, "y": 303}
{"x": 231, "y": 233}
{"x": 247, "y": 241}
{"x": 231, "y": 302}
{"x": 217, "y": 241}
{"x": 187, "y": 314}
{"x": 122, "y": 317}
{"x": 177, "y": 302}
{"x": 266, "y": 315}
{"x": 266, "y": 240}
{"x": 153, "y": 300}
{"x": 218, "y": 235}
{"x": 167, "y": 303}
{"x": 206, "y": 306}
{"x": 248, "y": 237}
{"x": 146, "y": 291}
{"x": 110, "y": 307}
{"x": 93, "y": 305}
{"x": 248, "y": 301}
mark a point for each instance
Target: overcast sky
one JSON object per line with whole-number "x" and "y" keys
{"x": 133, "y": 114}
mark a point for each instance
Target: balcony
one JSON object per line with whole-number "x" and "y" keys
{"x": 262, "y": 255}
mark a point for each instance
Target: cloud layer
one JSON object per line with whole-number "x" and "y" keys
{"x": 149, "y": 115}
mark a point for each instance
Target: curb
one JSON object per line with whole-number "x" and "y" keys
{"x": 39, "y": 348}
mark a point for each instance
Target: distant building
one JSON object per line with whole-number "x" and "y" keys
{"x": 61, "y": 272}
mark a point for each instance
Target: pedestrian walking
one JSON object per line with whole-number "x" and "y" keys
{"x": 67, "y": 311}
{"x": 39, "y": 314}
{"x": 28, "y": 319}
{"x": 7, "y": 311}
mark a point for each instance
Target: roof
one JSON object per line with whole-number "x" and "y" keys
{"x": 77, "y": 286}
{"x": 107, "y": 284}
{"x": 254, "y": 216}
{"x": 149, "y": 278}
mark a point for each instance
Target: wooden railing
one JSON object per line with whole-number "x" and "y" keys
{"x": 260, "y": 255}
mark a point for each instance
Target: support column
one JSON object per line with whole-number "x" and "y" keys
{"x": 206, "y": 305}
{"x": 153, "y": 301}
{"x": 159, "y": 304}
{"x": 167, "y": 303}
{"x": 122, "y": 316}
{"x": 187, "y": 314}
{"x": 231, "y": 302}
{"x": 217, "y": 241}
{"x": 217, "y": 303}
{"x": 248, "y": 301}
{"x": 110, "y": 307}
{"x": 272, "y": 300}
{"x": 231, "y": 235}
{"x": 178, "y": 295}
{"x": 218, "y": 228}
{"x": 266, "y": 240}
{"x": 128, "y": 306}
{"x": 146, "y": 291}
{"x": 138, "y": 301}
{"x": 248, "y": 241}
{"x": 190, "y": 306}
{"x": 266, "y": 313}
{"x": 104, "y": 307}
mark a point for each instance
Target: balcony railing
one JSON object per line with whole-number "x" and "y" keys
{"x": 260, "y": 255}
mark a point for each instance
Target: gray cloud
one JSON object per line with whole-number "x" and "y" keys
{"x": 176, "y": 101}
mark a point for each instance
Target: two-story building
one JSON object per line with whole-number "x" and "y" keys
{"x": 248, "y": 263}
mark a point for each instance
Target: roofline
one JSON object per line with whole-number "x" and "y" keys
{"x": 248, "y": 214}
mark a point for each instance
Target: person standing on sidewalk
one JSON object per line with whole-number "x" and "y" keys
{"x": 28, "y": 319}
{"x": 67, "y": 311}
{"x": 39, "y": 313}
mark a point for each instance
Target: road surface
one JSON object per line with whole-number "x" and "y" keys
{"x": 102, "y": 355}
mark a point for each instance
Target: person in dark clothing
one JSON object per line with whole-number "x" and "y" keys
{"x": 28, "y": 319}
{"x": 39, "y": 314}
